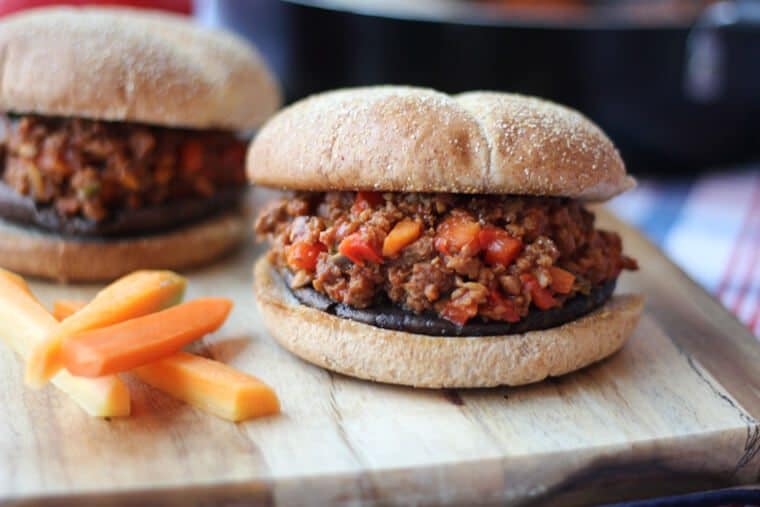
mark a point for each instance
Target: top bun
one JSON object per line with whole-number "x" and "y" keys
{"x": 132, "y": 65}
{"x": 402, "y": 139}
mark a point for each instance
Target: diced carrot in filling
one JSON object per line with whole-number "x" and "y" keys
{"x": 403, "y": 234}
{"x": 366, "y": 200}
{"x": 304, "y": 255}
{"x": 457, "y": 232}
{"x": 541, "y": 296}
{"x": 357, "y": 248}
{"x": 562, "y": 281}
{"x": 500, "y": 248}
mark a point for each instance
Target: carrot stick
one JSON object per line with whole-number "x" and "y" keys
{"x": 211, "y": 386}
{"x": 134, "y": 295}
{"x": 140, "y": 341}
{"x": 18, "y": 281}
{"x": 206, "y": 384}
{"x": 24, "y": 323}
{"x": 63, "y": 308}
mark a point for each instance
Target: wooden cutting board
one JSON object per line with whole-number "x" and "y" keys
{"x": 676, "y": 410}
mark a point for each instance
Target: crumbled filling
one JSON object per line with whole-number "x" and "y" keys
{"x": 460, "y": 256}
{"x": 92, "y": 168}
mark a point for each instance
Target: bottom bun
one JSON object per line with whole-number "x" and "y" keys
{"x": 66, "y": 259}
{"x": 396, "y": 357}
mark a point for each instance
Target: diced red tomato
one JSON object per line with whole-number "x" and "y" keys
{"x": 459, "y": 314}
{"x": 304, "y": 255}
{"x": 356, "y": 247}
{"x": 500, "y": 248}
{"x": 457, "y": 232}
{"x": 541, "y": 296}
{"x": 502, "y": 307}
{"x": 562, "y": 281}
{"x": 366, "y": 200}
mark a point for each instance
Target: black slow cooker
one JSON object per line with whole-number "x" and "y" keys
{"x": 676, "y": 93}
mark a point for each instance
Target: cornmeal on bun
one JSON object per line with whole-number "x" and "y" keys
{"x": 119, "y": 140}
{"x": 440, "y": 241}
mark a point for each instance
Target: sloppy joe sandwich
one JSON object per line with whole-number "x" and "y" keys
{"x": 120, "y": 143}
{"x": 440, "y": 241}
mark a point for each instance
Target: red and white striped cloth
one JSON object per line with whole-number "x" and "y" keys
{"x": 710, "y": 227}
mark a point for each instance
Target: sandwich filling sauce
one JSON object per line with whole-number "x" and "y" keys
{"x": 87, "y": 177}
{"x": 465, "y": 261}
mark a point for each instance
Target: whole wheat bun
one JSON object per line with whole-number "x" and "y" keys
{"x": 132, "y": 65}
{"x": 33, "y": 253}
{"x": 396, "y": 357}
{"x": 402, "y": 139}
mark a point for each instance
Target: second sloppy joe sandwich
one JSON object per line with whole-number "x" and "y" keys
{"x": 440, "y": 241}
{"x": 119, "y": 145}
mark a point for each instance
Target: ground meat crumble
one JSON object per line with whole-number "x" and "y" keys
{"x": 462, "y": 257}
{"x": 90, "y": 168}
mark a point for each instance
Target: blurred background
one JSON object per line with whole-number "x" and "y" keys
{"x": 675, "y": 84}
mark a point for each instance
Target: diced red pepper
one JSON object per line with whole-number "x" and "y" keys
{"x": 502, "y": 307}
{"x": 366, "y": 200}
{"x": 541, "y": 296}
{"x": 457, "y": 232}
{"x": 459, "y": 314}
{"x": 500, "y": 248}
{"x": 304, "y": 255}
{"x": 356, "y": 247}
{"x": 562, "y": 281}
{"x": 192, "y": 156}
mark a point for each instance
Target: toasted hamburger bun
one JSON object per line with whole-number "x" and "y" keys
{"x": 402, "y": 139}
{"x": 396, "y": 357}
{"x": 65, "y": 259}
{"x": 132, "y": 65}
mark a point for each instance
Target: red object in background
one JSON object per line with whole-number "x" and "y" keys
{"x": 179, "y": 6}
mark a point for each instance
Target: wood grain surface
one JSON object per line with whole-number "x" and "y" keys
{"x": 675, "y": 411}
